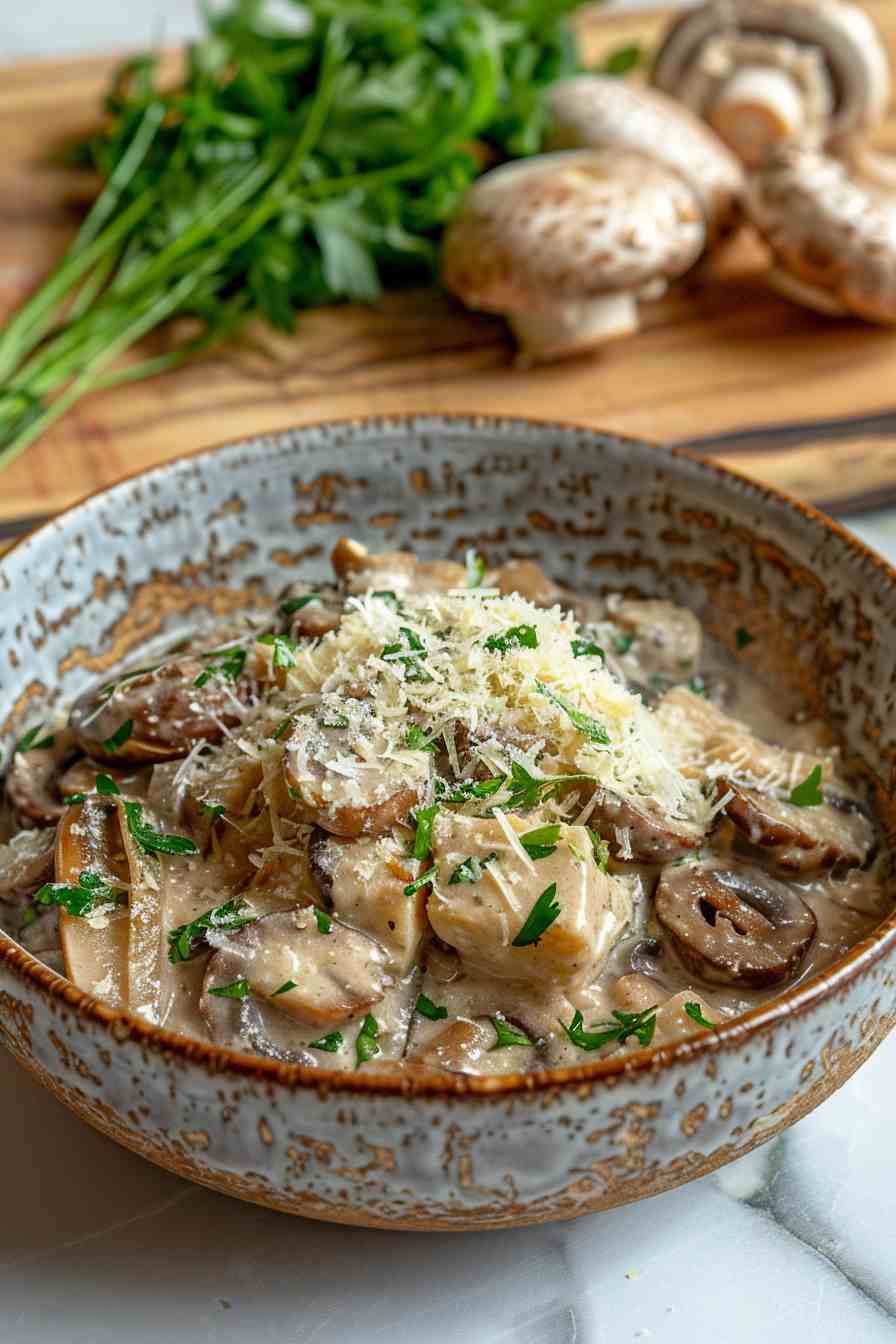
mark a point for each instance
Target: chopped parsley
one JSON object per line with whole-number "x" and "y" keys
{"x": 366, "y": 1044}
{"x": 294, "y": 604}
{"x": 410, "y": 654}
{"x": 119, "y": 737}
{"x": 212, "y": 810}
{"x": 424, "y": 817}
{"x": 229, "y": 664}
{"x": 506, "y": 1035}
{"x": 808, "y": 793}
{"x": 475, "y": 565}
{"x": 641, "y": 1025}
{"x": 391, "y": 599}
{"x": 284, "y": 654}
{"x": 82, "y": 899}
{"x": 697, "y": 686}
{"x": 239, "y": 989}
{"x": 426, "y": 1008}
{"x": 540, "y": 843}
{"x": 527, "y": 791}
{"x": 471, "y": 869}
{"x": 187, "y": 939}
{"x": 71, "y": 799}
{"x": 422, "y": 881}
{"x": 418, "y": 740}
{"x": 106, "y": 786}
{"x": 540, "y": 918}
{"x": 152, "y": 841}
{"x": 469, "y": 789}
{"x": 285, "y": 988}
{"x": 601, "y": 849}
{"x": 586, "y": 648}
{"x": 587, "y": 726}
{"x": 742, "y": 637}
{"x": 694, "y": 1013}
{"x": 32, "y": 740}
{"x": 281, "y": 728}
{"x": 622, "y": 643}
{"x": 331, "y": 1043}
{"x": 335, "y": 721}
{"x": 29, "y": 917}
{"x": 517, "y": 637}
{"x": 324, "y": 922}
{"x": 623, "y": 59}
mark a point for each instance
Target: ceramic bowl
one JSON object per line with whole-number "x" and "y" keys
{"x": 156, "y": 552}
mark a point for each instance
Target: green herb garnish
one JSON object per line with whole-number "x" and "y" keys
{"x": 694, "y": 1013}
{"x": 742, "y": 637}
{"x": 506, "y": 1035}
{"x": 239, "y": 989}
{"x": 808, "y": 793}
{"x": 586, "y": 648}
{"x": 601, "y": 849}
{"x": 641, "y": 1025}
{"x": 469, "y": 789}
{"x": 294, "y": 604}
{"x": 426, "y": 1008}
{"x": 32, "y": 740}
{"x": 335, "y": 721}
{"x": 71, "y": 799}
{"x": 82, "y": 899}
{"x": 528, "y": 791}
{"x": 324, "y": 922}
{"x": 622, "y": 643}
{"x": 285, "y": 988}
{"x": 423, "y": 880}
{"x": 475, "y": 565}
{"x": 622, "y": 60}
{"x": 212, "y": 810}
{"x": 152, "y": 841}
{"x": 697, "y": 686}
{"x": 540, "y": 918}
{"x": 540, "y": 843}
{"x": 366, "y": 1045}
{"x": 119, "y": 737}
{"x": 106, "y": 786}
{"x": 188, "y": 939}
{"x": 284, "y": 654}
{"x": 410, "y": 654}
{"x": 424, "y": 817}
{"x": 517, "y": 637}
{"x": 281, "y": 728}
{"x": 417, "y": 739}
{"x": 227, "y": 663}
{"x": 470, "y": 870}
{"x": 584, "y": 724}
{"x": 391, "y": 599}
{"x": 331, "y": 1043}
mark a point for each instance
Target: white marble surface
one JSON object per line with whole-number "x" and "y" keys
{"x": 98, "y": 1247}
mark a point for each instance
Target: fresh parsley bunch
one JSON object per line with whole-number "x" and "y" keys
{"x": 297, "y": 163}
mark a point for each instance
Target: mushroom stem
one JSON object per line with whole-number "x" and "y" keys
{"x": 757, "y": 108}
{"x": 570, "y": 328}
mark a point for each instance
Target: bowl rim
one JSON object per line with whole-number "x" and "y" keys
{"x": 382, "y": 1080}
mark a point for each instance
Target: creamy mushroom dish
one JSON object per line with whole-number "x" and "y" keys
{"x": 433, "y": 817}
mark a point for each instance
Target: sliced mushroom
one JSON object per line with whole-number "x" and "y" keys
{"x": 33, "y": 780}
{"x": 26, "y": 863}
{"x": 565, "y": 245}
{"x": 833, "y": 239}
{"x": 764, "y": 73}
{"x": 343, "y": 780}
{"x": 602, "y": 111}
{"x": 486, "y": 888}
{"x": 734, "y": 924}
{"x": 529, "y": 580}
{"x": 461, "y": 1046}
{"x": 364, "y": 882}
{"x": 392, "y": 571}
{"x": 168, "y": 712}
{"x": 639, "y": 833}
{"x": 81, "y": 777}
{"x": 667, "y": 640}
{"x": 837, "y": 832}
{"x": 320, "y": 980}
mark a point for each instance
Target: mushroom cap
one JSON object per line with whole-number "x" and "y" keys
{"x": 602, "y": 111}
{"x": 854, "y": 54}
{"x": 578, "y": 224}
{"x": 828, "y": 232}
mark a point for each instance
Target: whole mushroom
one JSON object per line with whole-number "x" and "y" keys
{"x": 762, "y": 73}
{"x": 604, "y": 112}
{"x": 565, "y": 245}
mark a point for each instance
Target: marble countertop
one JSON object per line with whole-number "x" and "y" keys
{"x": 99, "y": 1247}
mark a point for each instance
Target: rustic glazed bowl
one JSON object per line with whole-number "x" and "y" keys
{"x": 157, "y": 552}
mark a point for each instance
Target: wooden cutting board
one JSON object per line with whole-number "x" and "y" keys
{"x": 798, "y": 400}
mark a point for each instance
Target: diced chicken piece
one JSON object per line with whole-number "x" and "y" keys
{"x": 320, "y": 979}
{"x": 26, "y": 863}
{"x": 482, "y": 918}
{"x": 461, "y": 1046}
{"x": 343, "y": 780}
{"x": 393, "y": 571}
{"x": 667, "y": 639}
{"x": 637, "y": 993}
{"x": 364, "y": 882}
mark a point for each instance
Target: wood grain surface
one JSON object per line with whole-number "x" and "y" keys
{"x": 801, "y": 401}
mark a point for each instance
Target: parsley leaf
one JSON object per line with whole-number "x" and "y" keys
{"x": 426, "y": 1008}
{"x": 642, "y": 1025}
{"x": 285, "y": 988}
{"x": 331, "y": 1043}
{"x": 32, "y": 740}
{"x": 81, "y": 900}
{"x": 366, "y": 1045}
{"x": 475, "y": 565}
{"x": 417, "y": 739}
{"x": 470, "y": 870}
{"x": 506, "y": 1035}
{"x": 469, "y": 789}
{"x": 239, "y": 989}
{"x": 391, "y": 599}
{"x": 212, "y": 810}
{"x": 540, "y": 843}
{"x": 281, "y": 728}
{"x": 694, "y": 1013}
{"x": 622, "y": 643}
{"x": 623, "y": 59}
{"x": 540, "y": 918}
{"x": 324, "y": 922}
{"x": 71, "y": 799}
{"x": 106, "y": 786}
{"x": 601, "y": 849}
{"x": 808, "y": 793}
{"x": 227, "y": 663}
{"x": 410, "y": 654}
{"x": 697, "y": 686}
{"x": 517, "y": 637}
{"x": 284, "y": 655}
{"x": 742, "y": 637}
{"x": 423, "y": 880}
{"x": 152, "y": 841}
{"x": 119, "y": 737}
{"x": 587, "y": 726}
{"x": 187, "y": 939}
{"x": 586, "y": 648}
{"x": 294, "y": 604}
{"x": 527, "y": 791}
{"x": 424, "y": 817}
